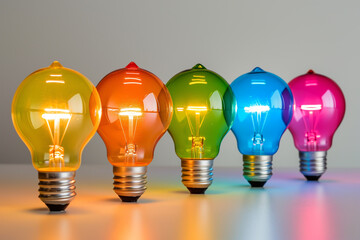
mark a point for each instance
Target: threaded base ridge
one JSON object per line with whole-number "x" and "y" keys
{"x": 197, "y": 174}
{"x": 312, "y": 164}
{"x": 129, "y": 182}
{"x": 57, "y": 189}
{"x": 257, "y": 169}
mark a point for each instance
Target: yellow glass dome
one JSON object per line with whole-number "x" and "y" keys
{"x": 56, "y": 111}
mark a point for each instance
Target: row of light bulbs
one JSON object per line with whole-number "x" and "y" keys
{"x": 57, "y": 110}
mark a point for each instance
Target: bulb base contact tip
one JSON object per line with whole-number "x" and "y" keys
{"x": 257, "y": 169}
{"x": 57, "y": 189}
{"x": 57, "y": 208}
{"x": 313, "y": 164}
{"x": 257, "y": 184}
{"x": 197, "y": 190}
{"x": 129, "y": 182}
{"x": 197, "y": 174}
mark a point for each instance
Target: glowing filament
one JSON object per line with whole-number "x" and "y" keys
{"x": 54, "y": 116}
{"x": 195, "y": 116}
{"x": 257, "y": 109}
{"x": 130, "y": 112}
{"x": 56, "y": 151}
{"x": 130, "y": 148}
{"x": 197, "y": 109}
{"x": 259, "y": 115}
{"x": 311, "y": 107}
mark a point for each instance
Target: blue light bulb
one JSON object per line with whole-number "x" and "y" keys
{"x": 264, "y": 110}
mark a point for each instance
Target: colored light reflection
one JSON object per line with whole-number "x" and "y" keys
{"x": 257, "y": 109}
{"x": 133, "y": 226}
{"x": 257, "y": 218}
{"x": 311, "y": 107}
{"x": 313, "y": 216}
{"x": 198, "y": 222}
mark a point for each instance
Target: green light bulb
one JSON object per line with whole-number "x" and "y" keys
{"x": 204, "y": 108}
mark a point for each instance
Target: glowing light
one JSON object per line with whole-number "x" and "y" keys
{"x": 56, "y": 110}
{"x": 130, "y": 112}
{"x": 258, "y": 109}
{"x": 52, "y": 116}
{"x": 311, "y": 107}
{"x": 56, "y": 114}
{"x": 180, "y": 109}
{"x": 197, "y": 108}
{"x": 55, "y": 81}
{"x": 55, "y": 75}
{"x": 132, "y": 78}
{"x": 198, "y": 79}
{"x": 192, "y": 83}
{"x": 138, "y": 83}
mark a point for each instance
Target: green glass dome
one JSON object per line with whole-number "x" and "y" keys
{"x": 204, "y": 109}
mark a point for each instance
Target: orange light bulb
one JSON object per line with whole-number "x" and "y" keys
{"x": 137, "y": 110}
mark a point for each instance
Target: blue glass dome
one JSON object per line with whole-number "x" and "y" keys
{"x": 264, "y": 110}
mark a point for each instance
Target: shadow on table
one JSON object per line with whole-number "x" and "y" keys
{"x": 298, "y": 179}
{"x": 207, "y": 192}
{"x": 140, "y": 201}
{"x": 45, "y": 211}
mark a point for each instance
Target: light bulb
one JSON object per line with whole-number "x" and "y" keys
{"x": 319, "y": 107}
{"x": 264, "y": 110}
{"x": 203, "y": 114}
{"x": 56, "y": 111}
{"x": 137, "y": 110}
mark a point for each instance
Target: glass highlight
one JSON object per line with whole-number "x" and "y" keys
{"x": 56, "y": 111}
{"x": 318, "y": 111}
{"x": 203, "y": 113}
{"x": 264, "y": 110}
{"x": 137, "y": 110}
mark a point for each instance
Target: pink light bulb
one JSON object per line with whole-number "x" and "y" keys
{"x": 319, "y": 107}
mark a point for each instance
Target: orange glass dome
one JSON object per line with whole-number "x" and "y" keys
{"x": 137, "y": 110}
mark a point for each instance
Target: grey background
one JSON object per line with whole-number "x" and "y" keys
{"x": 165, "y": 37}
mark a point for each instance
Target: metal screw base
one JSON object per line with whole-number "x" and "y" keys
{"x": 312, "y": 164}
{"x": 57, "y": 189}
{"x": 257, "y": 169}
{"x": 129, "y": 182}
{"x": 197, "y": 174}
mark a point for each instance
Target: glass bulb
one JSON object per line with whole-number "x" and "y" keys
{"x": 56, "y": 111}
{"x": 203, "y": 114}
{"x": 318, "y": 111}
{"x": 137, "y": 110}
{"x": 264, "y": 110}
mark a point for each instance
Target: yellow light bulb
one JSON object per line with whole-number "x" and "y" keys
{"x": 56, "y": 111}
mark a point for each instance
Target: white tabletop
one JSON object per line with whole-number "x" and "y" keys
{"x": 287, "y": 208}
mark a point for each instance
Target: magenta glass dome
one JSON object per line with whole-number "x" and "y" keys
{"x": 319, "y": 107}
